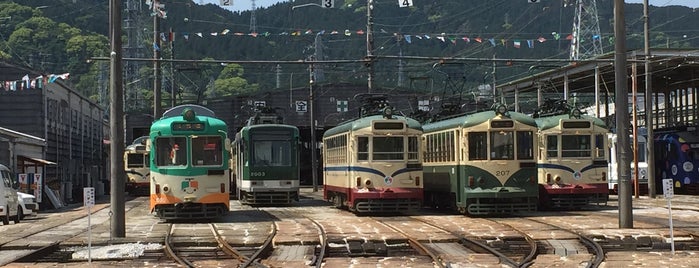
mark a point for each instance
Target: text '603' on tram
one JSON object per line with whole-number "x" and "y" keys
{"x": 265, "y": 160}
{"x": 189, "y": 154}
{"x": 372, "y": 164}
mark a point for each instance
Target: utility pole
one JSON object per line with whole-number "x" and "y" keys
{"x": 369, "y": 44}
{"x": 314, "y": 160}
{"x": 648, "y": 101}
{"x": 116, "y": 124}
{"x": 171, "y": 38}
{"x": 156, "y": 62}
{"x": 621, "y": 93}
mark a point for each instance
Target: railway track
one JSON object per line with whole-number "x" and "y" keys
{"x": 515, "y": 252}
{"x": 300, "y": 244}
{"x": 193, "y": 245}
{"x": 556, "y": 240}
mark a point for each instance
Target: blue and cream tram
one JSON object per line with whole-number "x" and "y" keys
{"x": 372, "y": 164}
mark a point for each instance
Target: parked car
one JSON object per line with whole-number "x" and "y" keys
{"x": 9, "y": 207}
{"x": 28, "y": 205}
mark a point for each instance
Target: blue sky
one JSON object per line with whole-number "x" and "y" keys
{"x": 239, "y": 5}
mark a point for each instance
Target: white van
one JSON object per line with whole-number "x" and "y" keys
{"x": 9, "y": 205}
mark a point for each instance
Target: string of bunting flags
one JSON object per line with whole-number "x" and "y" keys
{"x": 408, "y": 38}
{"x": 32, "y": 83}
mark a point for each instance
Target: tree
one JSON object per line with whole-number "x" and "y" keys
{"x": 231, "y": 82}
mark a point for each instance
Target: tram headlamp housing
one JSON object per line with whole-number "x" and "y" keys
{"x": 576, "y": 113}
{"x": 387, "y": 112}
{"x": 501, "y": 109}
{"x": 188, "y": 114}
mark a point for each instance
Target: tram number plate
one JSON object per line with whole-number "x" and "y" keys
{"x": 257, "y": 174}
{"x": 501, "y": 173}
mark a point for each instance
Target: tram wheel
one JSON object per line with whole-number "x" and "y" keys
{"x": 337, "y": 201}
{"x": 462, "y": 210}
{"x": 6, "y": 219}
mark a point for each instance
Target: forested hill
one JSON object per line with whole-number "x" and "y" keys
{"x": 58, "y": 36}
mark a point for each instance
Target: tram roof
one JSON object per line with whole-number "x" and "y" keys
{"x": 366, "y": 122}
{"x": 470, "y": 120}
{"x": 552, "y": 121}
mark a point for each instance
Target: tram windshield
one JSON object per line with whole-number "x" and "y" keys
{"x": 502, "y": 145}
{"x": 271, "y": 149}
{"x": 171, "y": 151}
{"x": 388, "y": 148}
{"x": 207, "y": 151}
{"x": 575, "y": 146}
{"x": 137, "y": 160}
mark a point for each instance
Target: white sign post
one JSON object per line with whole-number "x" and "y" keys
{"x": 89, "y": 202}
{"x": 668, "y": 192}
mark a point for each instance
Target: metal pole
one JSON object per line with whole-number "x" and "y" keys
{"x": 370, "y": 44}
{"x": 621, "y": 105}
{"x": 171, "y": 38}
{"x": 648, "y": 100}
{"x": 156, "y": 63}
{"x": 312, "y": 125}
{"x": 634, "y": 129}
{"x": 116, "y": 124}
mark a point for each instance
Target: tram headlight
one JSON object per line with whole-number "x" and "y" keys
{"x": 558, "y": 179}
{"x": 471, "y": 181}
{"x": 359, "y": 182}
{"x": 367, "y": 183}
{"x": 417, "y": 181}
{"x": 166, "y": 188}
{"x": 548, "y": 179}
{"x": 157, "y": 189}
{"x": 604, "y": 176}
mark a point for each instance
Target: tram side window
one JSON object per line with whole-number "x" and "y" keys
{"x": 171, "y": 151}
{"x": 551, "y": 146}
{"x": 502, "y": 145}
{"x": 362, "y": 148}
{"x": 525, "y": 145}
{"x": 600, "y": 145}
{"x": 207, "y": 151}
{"x": 388, "y": 148}
{"x": 477, "y": 146}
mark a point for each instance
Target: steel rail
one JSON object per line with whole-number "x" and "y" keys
{"x": 417, "y": 245}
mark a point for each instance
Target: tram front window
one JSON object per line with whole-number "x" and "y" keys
{"x": 171, "y": 151}
{"x": 207, "y": 151}
{"x": 271, "y": 153}
{"x": 502, "y": 145}
{"x": 137, "y": 160}
{"x": 388, "y": 148}
{"x": 575, "y": 146}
